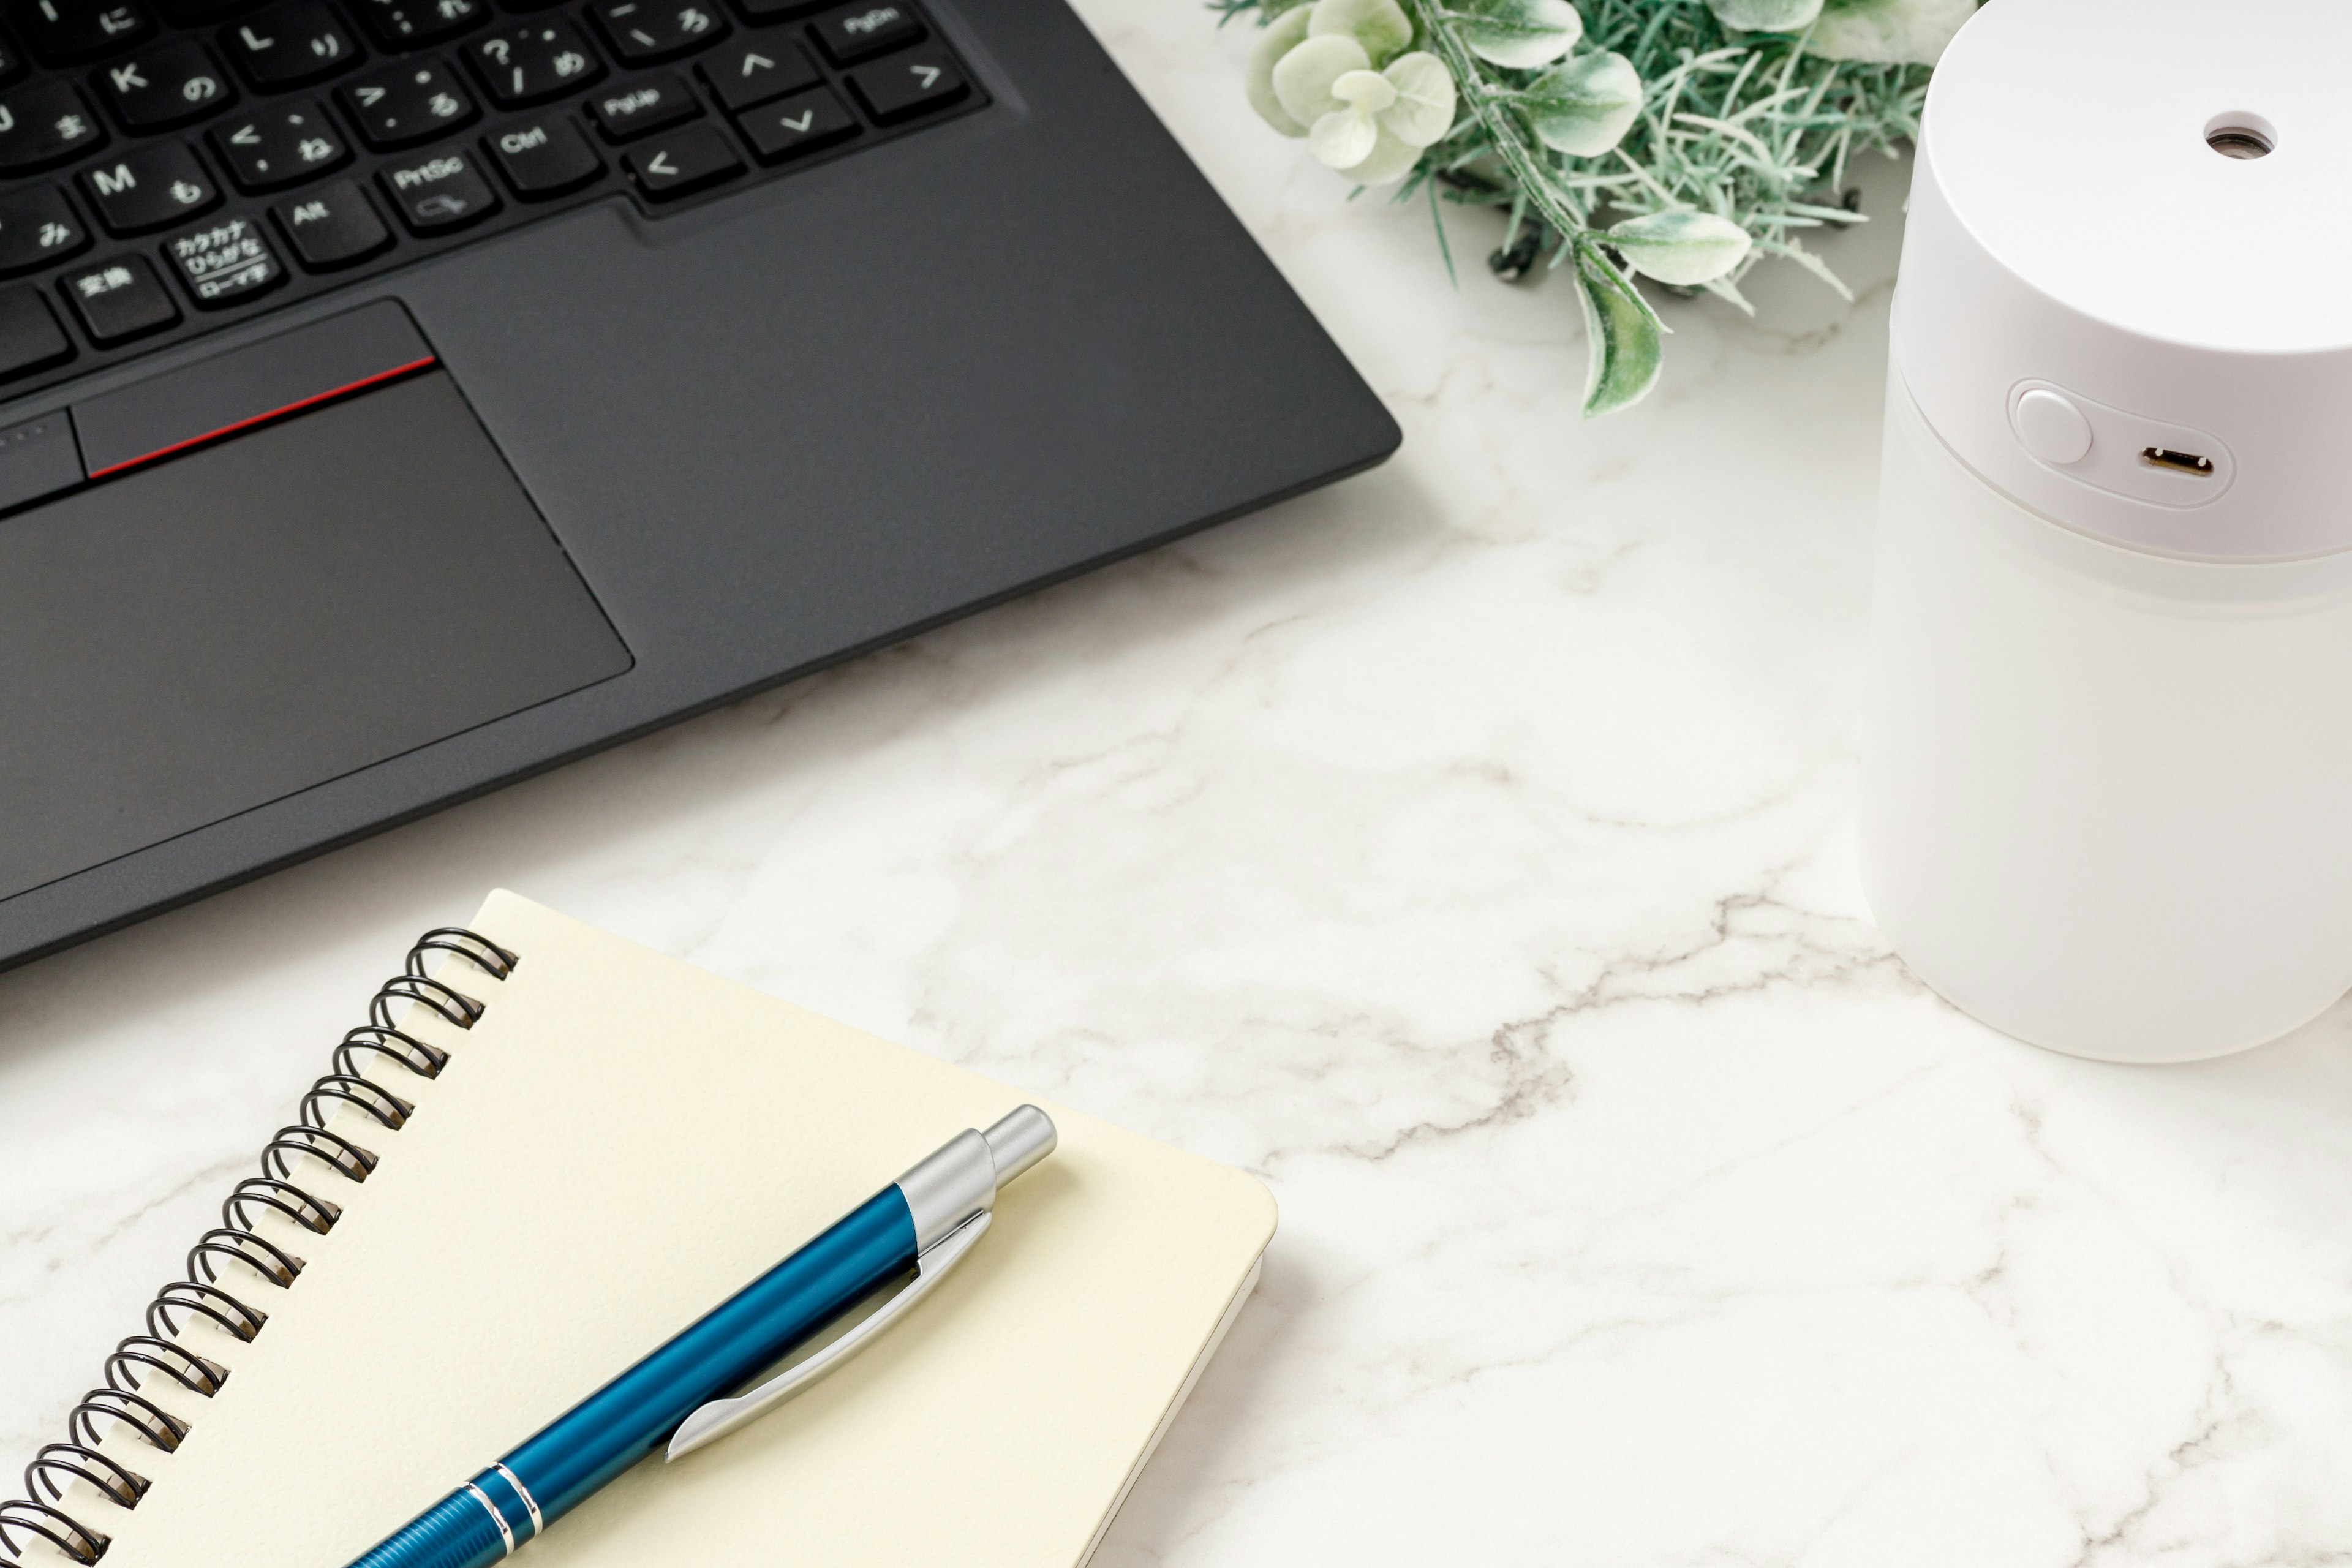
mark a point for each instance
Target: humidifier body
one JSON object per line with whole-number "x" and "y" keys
{"x": 2106, "y": 799}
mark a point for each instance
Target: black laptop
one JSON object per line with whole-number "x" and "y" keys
{"x": 401, "y": 397}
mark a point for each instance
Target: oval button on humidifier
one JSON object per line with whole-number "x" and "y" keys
{"x": 2101, "y": 804}
{"x": 2052, "y": 428}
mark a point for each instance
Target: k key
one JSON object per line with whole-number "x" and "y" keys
{"x": 170, "y": 86}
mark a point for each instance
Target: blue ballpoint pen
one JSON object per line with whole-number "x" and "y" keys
{"x": 926, "y": 1219}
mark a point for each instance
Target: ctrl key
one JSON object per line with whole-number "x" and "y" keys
{"x": 30, "y": 338}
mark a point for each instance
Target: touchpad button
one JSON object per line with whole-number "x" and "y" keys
{"x": 203, "y": 637}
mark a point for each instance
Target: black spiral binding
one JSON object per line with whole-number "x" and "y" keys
{"x": 202, "y": 1294}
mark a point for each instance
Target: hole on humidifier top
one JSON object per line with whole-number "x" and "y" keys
{"x": 2240, "y": 136}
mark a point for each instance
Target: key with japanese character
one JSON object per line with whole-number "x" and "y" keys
{"x": 538, "y": 60}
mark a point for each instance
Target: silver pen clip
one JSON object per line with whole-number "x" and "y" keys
{"x": 720, "y": 1417}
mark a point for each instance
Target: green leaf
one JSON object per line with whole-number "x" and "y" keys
{"x": 1520, "y": 34}
{"x": 1887, "y": 32}
{"x": 1584, "y": 108}
{"x": 1686, "y": 248}
{"x": 1623, "y": 352}
{"x": 1379, "y": 26}
{"x": 1303, "y": 78}
{"x": 1765, "y": 16}
{"x": 1424, "y": 110}
{"x": 1391, "y": 158}
{"x": 1282, "y": 34}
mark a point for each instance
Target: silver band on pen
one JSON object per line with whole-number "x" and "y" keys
{"x": 529, "y": 1503}
{"x": 506, "y": 1532}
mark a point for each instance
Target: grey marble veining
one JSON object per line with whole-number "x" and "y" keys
{"x": 1466, "y": 851}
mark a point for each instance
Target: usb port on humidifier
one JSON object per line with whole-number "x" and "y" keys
{"x": 2179, "y": 462}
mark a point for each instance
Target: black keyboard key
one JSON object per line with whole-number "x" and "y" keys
{"x": 290, "y": 46}
{"x": 440, "y": 192}
{"x": 858, "y": 32}
{"x": 149, "y": 187}
{"x": 63, "y": 32}
{"x": 642, "y": 31}
{"x": 30, "y": 338}
{"x": 681, "y": 161}
{"x": 331, "y": 227}
{"x": 761, "y": 67}
{"x": 538, "y": 60}
{"x": 279, "y": 146}
{"x": 225, "y": 263}
{"x": 545, "y": 158}
{"x": 761, "y": 12}
{"x": 646, "y": 105}
{"x": 37, "y": 228}
{"x": 907, "y": 85}
{"x": 401, "y": 105}
{"x": 801, "y": 124}
{"x": 12, "y": 66}
{"x": 198, "y": 13}
{"x": 118, "y": 300}
{"x": 44, "y": 122}
{"x": 175, "y": 85}
{"x": 407, "y": 24}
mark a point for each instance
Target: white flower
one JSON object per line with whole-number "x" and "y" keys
{"x": 1887, "y": 32}
{"x": 1681, "y": 247}
{"x": 1370, "y": 125}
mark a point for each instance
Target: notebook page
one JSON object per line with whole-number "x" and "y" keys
{"x": 621, "y": 1143}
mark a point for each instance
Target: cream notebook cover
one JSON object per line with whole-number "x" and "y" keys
{"x": 615, "y": 1145}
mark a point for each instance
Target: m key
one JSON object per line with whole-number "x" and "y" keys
{"x": 148, "y": 188}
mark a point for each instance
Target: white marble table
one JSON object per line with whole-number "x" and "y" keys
{"x": 1466, "y": 851}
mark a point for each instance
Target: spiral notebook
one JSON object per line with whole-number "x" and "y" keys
{"x": 520, "y": 1176}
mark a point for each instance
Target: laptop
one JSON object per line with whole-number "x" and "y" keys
{"x": 399, "y": 397}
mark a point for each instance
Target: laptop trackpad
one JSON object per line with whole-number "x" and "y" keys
{"x": 205, "y": 637}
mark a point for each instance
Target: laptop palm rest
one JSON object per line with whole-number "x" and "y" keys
{"x": 220, "y": 630}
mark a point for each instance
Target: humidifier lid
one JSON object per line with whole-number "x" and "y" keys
{"x": 2121, "y": 297}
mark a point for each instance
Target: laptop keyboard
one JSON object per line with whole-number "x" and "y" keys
{"x": 168, "y": 165}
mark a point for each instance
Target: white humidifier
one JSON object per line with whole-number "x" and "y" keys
{"x": 2107, "y": 800}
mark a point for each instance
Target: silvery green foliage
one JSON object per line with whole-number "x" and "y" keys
{"x": 1765, "y": 16}
{"x": 1713, "y": 142}
{"x": 1887, "y": 32}
{"x": 1685, "y": 248}
{"x": 1282, "y": 34}
{"x": 1624, "y": 353}
{"x": 1330, "y": 72}
{"x": 1379, "y": 26}
{"x": 1521, "y": 34}
{"x": 1584, "y": 106}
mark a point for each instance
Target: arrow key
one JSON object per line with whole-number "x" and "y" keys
{"x": 764, "y": 66}
{"x": 801, "y": 124}
{"x": 671, "y": 165}
{"x": 905, "y": 86}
